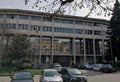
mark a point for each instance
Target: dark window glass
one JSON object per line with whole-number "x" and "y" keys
{"x": 25, "y": 17}
{"x": 1, "y": 16}
{"x": 11, "y": 16}
{"x": 35, "y": 18}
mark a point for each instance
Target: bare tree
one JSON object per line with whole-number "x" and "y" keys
{"x": 71, "y": 6}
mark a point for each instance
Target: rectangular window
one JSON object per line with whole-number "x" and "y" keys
{"x": 11, "y": 16}
{"x": 1, "y": 26}
{"x": 11, "y": 26}
{"x": 47, "y": 29}
{"x": 88, "y": 23}
{"x": 35, "y": 18}
{"x": 78, "y": 31}
{"x": 24, "y": 17}
{"x": 56, "y": 20}
{"x": 22, "y": 27}
{"x": 1, "y": 16}
{"x": 35, "y": 28}
{"x": 47, "y": 19}
{"x": 97, "y": 32}
{"x": 79, "y": 22}
{"x": 100, "y": 24}
{"x": 88, "y": 32}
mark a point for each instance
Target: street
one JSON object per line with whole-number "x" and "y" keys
{"x": 92, "y": 76}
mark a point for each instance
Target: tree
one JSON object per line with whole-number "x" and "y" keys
{"x": 18, "y": 52}
{"x": 71, "y": 6}
{"x": 115, "y": 31}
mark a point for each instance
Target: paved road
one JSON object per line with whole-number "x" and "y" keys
{"x": 91, "y": 76}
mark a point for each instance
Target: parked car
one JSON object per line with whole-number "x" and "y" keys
{"x": 97, "y": 67}
{"x": 50, "y": 75}
{"x": 108, "y": 68}
{"x": 57, "y": 66}
{"x": 79, "y": 66}
{"x": 72, "y": 75}
{"x": 89, "y": 66}
{"x": 22, "y": 76}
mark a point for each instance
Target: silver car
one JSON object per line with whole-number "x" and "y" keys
{"x": 50, "y": 75}
{"x": 98, "y": 67}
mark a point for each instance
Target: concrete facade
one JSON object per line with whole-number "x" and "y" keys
{"x": 63, "y": 39}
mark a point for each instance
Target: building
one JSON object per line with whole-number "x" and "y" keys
{"x": 58, "y": 38}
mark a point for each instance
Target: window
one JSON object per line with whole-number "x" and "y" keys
{"x": 1, "y": 26}
{"x": 47, "y": 29}
{"x": 22, "y": 27}
{"x": 35, "y": 28}
{"x": 78, "y": 31}
{"x": 48, "y": 19}
{"x": 79, "y": 22}
{"x": 1, "y": 16}
{"x": 88, "y": 32}
{"x": 88, "y": 23}
{"x": 97, "y": 32}
{"x": 11, "y": 26}
{"x": 25, "y": 17}
{"x": 35, "y": 18}
{"x": 56, "y": 20}
{"x": 63, "y": 21}
{"x": 11, "y": 16}
{"x": 100, "y": 24}
{"x": 63, "y": 30}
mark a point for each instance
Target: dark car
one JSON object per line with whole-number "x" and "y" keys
{"x": 22, "y": 76}
{"x": 108, "y": 68}
{"x": 79, "y": 66}
{"x": 72, "y": 75}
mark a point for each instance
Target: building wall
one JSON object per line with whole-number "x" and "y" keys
{"x": 75, "y": 38}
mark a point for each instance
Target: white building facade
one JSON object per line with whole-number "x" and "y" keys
{"x": 57, "y": 38}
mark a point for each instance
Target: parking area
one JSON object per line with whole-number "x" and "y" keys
{"x": 92, "y": 76}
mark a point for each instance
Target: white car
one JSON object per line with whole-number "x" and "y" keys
{"x": 97, "y": 67}
{"x": 57, "y": 67}
{"x": 50, "y": 75}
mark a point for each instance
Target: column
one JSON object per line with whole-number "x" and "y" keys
{"x": 73, "y": 49}
{"x": 52, "y": 49}
{"x": 84, "y": 51}
{"x": 94, "y": 53}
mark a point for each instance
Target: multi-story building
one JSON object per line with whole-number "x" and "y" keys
{"x": 58, "y": 38}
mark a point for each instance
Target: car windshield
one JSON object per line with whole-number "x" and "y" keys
{"x": 74, "y": 72}
{"x": 22, "y": 75}
{"x": 51, "y": 73}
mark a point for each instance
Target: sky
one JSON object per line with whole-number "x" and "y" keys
{"x": 19, "y": 4}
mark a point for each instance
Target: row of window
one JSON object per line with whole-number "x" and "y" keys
{"x": 49, "y": 29}
{"x": 56, "y": 20}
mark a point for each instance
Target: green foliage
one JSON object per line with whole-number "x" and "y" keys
{"x": 115, "y": 31}
{"x": 17, "y": 52}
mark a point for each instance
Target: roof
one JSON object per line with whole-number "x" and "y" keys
{"x": 51, "y": 14}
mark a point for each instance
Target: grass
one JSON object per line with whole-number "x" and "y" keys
{"x": 8, "y": 73}
{"x": 35, "y": 71}
{"x": 5, "y": 72}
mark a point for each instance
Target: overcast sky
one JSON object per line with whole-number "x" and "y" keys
{"x": 19, "y": 4}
